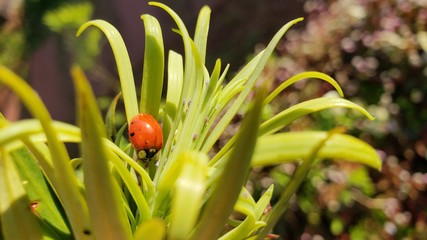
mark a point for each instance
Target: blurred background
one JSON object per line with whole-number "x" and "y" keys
{"x": 376, "y": 50}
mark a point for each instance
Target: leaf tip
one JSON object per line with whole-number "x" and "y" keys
{"x": 83, "y": 27}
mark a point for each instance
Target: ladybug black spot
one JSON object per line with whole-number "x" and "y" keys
{"x": 132, "y": 134}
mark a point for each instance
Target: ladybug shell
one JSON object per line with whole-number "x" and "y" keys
{"x": 145, "y": 134}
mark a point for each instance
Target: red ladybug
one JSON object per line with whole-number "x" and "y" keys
{"x": 146, "y": 135}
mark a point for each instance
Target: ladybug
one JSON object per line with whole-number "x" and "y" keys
{"x": 146, "y": 135}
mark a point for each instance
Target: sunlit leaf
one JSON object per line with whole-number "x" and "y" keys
{"x": 63, "y": 180}
{"x": 290, "y": 114}
{"x": 231, "y": 176}
{"x": 107, "y": 213}
{"x": 17, "y": 220}
{"x": 45, "y": 203}
{"x": 253, "y": 76}
{"x": 11, "y": 135}
{"x": 295, "y": 146}
{"x": 152, "y": 76}
{"x": 154, "y": 229}
{"x": 201, "y": 33}
{"x": 124, "y": 66}
{"x": 245, "y": 205}
{"x": 302, "y": 76}
{"x": 110, "y": 118}
{"x": 263, "y": 203}
{"x": 291, "y": 188}
{"x": 189, "y": 191}
{"x": 173, "y": 102}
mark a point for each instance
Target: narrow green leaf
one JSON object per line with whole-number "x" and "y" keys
{"x": 124, "y": 66}
{"x": 116, "y": 156}
{"x": 292, "y": 187}
{"x": 191, "y": 82}
{"x": 164, "y": 187}
{"x": 190, "y": 79}
{"x": 209, "y": 102}
{"x": 263, "y": 202}
{"x": 189, "y": 191}
{"x": 106, "y": 209}
{"x": 254, "y": 75}
{"x": 152, "y": 77}
{"x": 232, "y": 176}
{"x": 194, "y": 117}
{"x": 38, "y": 192}
{"x": 209, "y": 89}
{"x": 202, "y": 30}
{"x": 192, "y": 121}
{"x": 245, "y": 205}
{"x": 294, "y": 146}
{"x": 110, "y": 118}
{"x": 195, "y": 76}
{"x": 12, "y": 134}
{"x": 155, "y": 229}
{"x": 64, "y": 181}
{"x": 302, "y": 76}
{"x": 17, "y": 220}
{"x": 288, "y": 115}
{"x": 224, "y": 97}
{"x": 171, "y": 118}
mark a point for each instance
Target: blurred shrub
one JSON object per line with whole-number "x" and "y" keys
{"x": 376, "y": 50}
{"x": 65, "y": 20}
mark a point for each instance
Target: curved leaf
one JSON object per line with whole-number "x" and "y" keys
{"x": 17, "y": 221}
{"x": 253, "y": 76}
{"x": 102, "y": 193}
{"x": 152, "y": 76}
{"x": 295, "y": 146}
{"x": 11, "y": 135}
{"x": 232, "y": 175}
{"x": 245, "y": 205}
{"x": 173, "y": 96}
{"x": 124, "y": 66}
{"x": 201, "y": 33}
{"x": 38, "y": 191}
{"x": 189, "y": 191}
{"x": 190, "y": 96}
{"x": 154, "y": 229}
{"x": 285, "y": 117}
{"x": 136, "y": 193}
{"x": 64, "y": 181}
{"x": 110, "y": 118}
{"x": 302, "y": 76}
{"x": 290, "y": 114}
{"x": 291, "y": 188}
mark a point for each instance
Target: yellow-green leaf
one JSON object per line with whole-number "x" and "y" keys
{"x": 152, "y": 76}
{"x": 17, "y": 220}
{"x": 124, "y": 66}
{"x": 295, "y": 146}
{"x": 155, "y": 229}
{"x": 189, "y": 190}
{"x": 102, "y": 193}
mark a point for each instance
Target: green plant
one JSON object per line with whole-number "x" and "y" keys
{"x": 379, "y": 61}
{"x": 63, "y": 21}
{"x": 186, "y": 192}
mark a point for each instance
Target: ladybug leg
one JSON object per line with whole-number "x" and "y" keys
{"x": 142, "y": 154}
{"x": 151, "y": 152}
{"x": 145, "y": 155}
